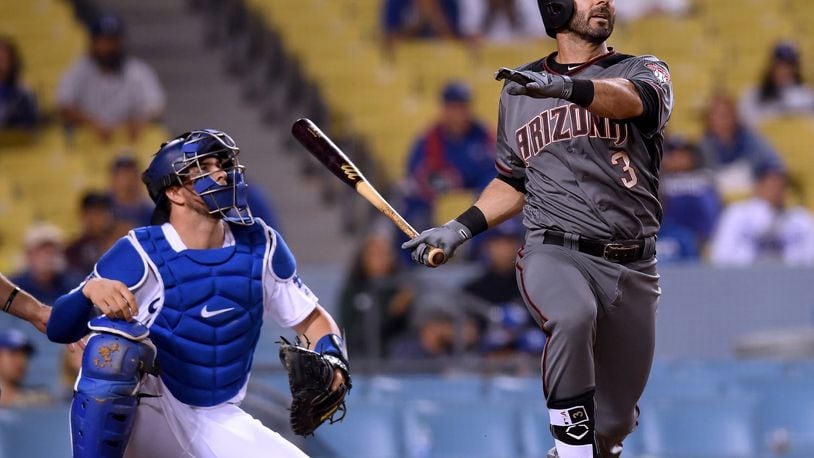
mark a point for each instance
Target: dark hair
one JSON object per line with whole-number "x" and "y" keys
{"x": 783, "y": 52}
{"x": 93, "y": 199}
{"x": 16, "y": 63}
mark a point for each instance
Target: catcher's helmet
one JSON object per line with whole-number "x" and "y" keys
{"x": 556, "y": 14}
{"x": 172, "y": 165}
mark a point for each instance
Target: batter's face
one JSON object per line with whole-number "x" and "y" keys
{"x": 593, "y": 20}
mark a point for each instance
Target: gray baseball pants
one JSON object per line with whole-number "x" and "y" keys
{"x": 599, "y": 318}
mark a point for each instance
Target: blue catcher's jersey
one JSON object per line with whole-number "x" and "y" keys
{"x": 206, "y": 307}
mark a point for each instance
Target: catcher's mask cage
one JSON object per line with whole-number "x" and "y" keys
{"x": 179, "y": 162}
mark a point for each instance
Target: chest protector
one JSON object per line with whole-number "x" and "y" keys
{"x": 210, "y": 321}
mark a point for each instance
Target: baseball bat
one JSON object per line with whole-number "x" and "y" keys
{"x": 326, "y": 151}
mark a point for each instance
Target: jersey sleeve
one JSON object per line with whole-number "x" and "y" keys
{"x": 508, "y": 164}
{"x": 651, "y": 77}
{"x": 286, "y": 298}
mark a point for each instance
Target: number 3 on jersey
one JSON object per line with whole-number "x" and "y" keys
{"x": 621, "y": 157}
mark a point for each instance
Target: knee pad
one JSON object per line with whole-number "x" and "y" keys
{"x": 572, "y": 425}
{"x": 106, "y": 394}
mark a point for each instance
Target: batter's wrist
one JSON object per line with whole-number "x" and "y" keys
{"x": 582, "y": 92}
{"x": 474, "y": 220}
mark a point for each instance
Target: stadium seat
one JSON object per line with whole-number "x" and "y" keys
{"x": 786, "y": 408}
{"x": 452, "y": 430}
{"x": 370, "y": 430}
{"x": 700, "y": 427}
{"x": 434, "y": 388}
{"x": 40, "y": 432}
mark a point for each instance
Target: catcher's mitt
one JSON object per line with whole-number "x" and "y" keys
{"x": 310, "y": 375}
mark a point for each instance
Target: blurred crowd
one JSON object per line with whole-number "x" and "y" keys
{"x": 728, "y": 197}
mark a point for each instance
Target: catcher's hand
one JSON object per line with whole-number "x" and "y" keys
{"x": 539, "y": 85}
{"x": 316, "y": 397}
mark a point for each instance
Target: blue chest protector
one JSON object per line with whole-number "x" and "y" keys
{"x": 210, "y": 322}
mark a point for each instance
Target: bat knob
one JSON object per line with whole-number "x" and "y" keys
{"x": 436, "y": 257}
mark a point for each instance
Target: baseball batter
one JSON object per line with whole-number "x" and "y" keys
{"x": 579, "y": 146}
{"x": 203, "y": 275}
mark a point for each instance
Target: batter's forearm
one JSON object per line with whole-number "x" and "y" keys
{"x": 499, "y": 201}
{"x": 616, "y": 98}
{"x": 23, "y": 305}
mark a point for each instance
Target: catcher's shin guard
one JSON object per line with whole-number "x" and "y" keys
{"x": 572, "y": 425}
{"x": 105, "y": 398}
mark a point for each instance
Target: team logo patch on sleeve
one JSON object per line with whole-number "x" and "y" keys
{"x": 660, "y": 72}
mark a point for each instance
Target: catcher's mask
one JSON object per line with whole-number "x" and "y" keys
{"x": 173, "y": 165}
{"x": 556, "y": 14}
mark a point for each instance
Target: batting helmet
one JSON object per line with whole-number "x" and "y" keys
{"x": 172, "y": 164}
{"x": 556, "y": 14}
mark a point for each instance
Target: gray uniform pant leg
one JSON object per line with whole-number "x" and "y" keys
{"x": 600, "y": 321}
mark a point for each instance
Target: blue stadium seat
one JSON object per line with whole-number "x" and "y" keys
{"x": 535, "y": 435}
{"x": 428, "y": 387}
{"x": 787, "y": 407}
{"x": 371, "y": 430}
{"x": 452, "y": 430}
{"x": 701, "y": 427}
{"x": 40, "y": 432}
{"x": 516, "y": 389}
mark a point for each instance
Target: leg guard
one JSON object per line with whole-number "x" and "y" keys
{"x": 105, "y": 396}
{"x": 572, "y": 425}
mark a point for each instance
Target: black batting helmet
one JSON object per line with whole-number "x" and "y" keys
{"x": 556, "y": 14}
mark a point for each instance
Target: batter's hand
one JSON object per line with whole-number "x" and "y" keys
{"x": 447, "y": 237}
{"x": 111, "y": 297}
{"x": 539, "y": 85}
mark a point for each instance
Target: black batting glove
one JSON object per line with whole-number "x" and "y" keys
{"x": 539, "y": 85}
{"x": 447, "y": 237}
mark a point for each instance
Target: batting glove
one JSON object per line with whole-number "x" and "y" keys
{"x": 447, "y": 237}
{"x": 539, "y": 85}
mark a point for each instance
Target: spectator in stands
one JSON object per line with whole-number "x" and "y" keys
{"x": 374, "y": 305}
{"x": 419, "y": 19}
{"x": 690, "y": 201}
{"x": 765, "y": 228}
{"x": 130, "y": 206}
{"x": 15, "y": 351}
{"x": 456, "y": 153}
{"x": 46, "y": 276}
{"x": 509, "y": 328}
{"x": 732, "y": 150}
{"x": 69, "y": 371}
{"x": 781, "y": 89}
{"x": 96, "y": 217}
{"x": 631, "y": 10}
{"x": 107, "y": 89}
{"x": 438, "y": 332}
{"x": 18, "y": 106}
{"x": 500, "y": 20}
{"x": 262, "y": 208}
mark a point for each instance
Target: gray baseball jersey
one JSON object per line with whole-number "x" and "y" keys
{"x": 585, "y": 174}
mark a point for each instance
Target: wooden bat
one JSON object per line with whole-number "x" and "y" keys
{"x": 319, "y": 145}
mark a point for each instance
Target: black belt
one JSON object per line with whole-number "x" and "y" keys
{"x": 618, "y": 251}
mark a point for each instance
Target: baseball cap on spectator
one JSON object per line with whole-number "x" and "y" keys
{"x": 124, "y": 161}
{"x": 43, "y": 234}
{"x": 786, "y": 51}
{"x": 107, "y": 25}
{"x": 760, "y": 170}
{"x": 456, "y": 92}
{"x": 13, "y": 339}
